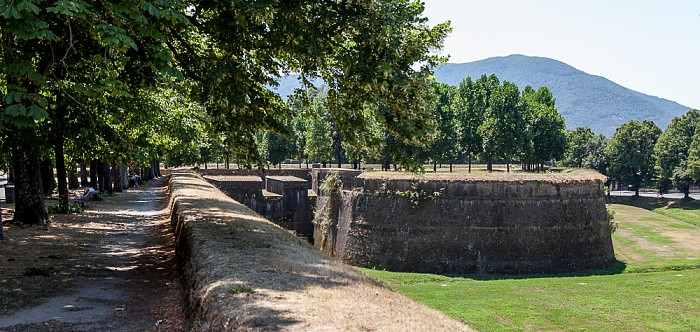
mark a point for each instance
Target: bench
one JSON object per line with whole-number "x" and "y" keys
{"x": 88, "y": 199}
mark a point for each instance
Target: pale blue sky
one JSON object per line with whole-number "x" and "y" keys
{"x": 649, "y": 46}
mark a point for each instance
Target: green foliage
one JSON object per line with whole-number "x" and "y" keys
{"x": 694, "y": 157}
{"x": 443, "y": 144}
{"x": 576, "y": 146}
{"x": 583, "y": 99}
{"x": 279, "y": 148}
{"x": 595, "y": 154}
{"x": 546, "y": 129}
{"x": 610, "y": 218}
{"x": 415, "y": 195}
{"x": 331, "y": 185}
{"x": 62, "y": 208}
{"x": 471, "y": 103}
{"x": 672, "y": 150}
{"x": 131, "y": 81}
{"x": 630, "y": 153}
{"x": 241, "y": 289}
{"x": 502, "y": 130}
{"x": 318, "y": 134}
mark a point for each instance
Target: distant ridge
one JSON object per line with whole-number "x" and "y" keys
{"x": 583, "y": 99}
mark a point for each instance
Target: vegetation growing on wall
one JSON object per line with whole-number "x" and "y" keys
{"x": 414, "y": 195}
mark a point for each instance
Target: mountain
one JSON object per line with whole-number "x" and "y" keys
{"x": 582, "y": 99}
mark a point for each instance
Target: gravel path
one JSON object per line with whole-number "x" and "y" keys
{"x": 127, "y": 282}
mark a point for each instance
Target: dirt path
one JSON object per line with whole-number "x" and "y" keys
{"x": 126, "y": 282}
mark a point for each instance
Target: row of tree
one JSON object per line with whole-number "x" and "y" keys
{"x": 640, "y": 153}
{"x": 131, "y": 82}
{"x": 480, "y": 118}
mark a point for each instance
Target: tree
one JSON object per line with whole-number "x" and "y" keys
{"x": 503, "y": 131}
{"x": 471, "y": 104}
{"x": 545, "y": 126}
{"x": 368, "y": 53}
{"x": 444, "y": 146}
{"x": 370, "y": 145}
{"x": 630, "y": 153}
{"x": 576, "y": 146}
{"x": 595, "y": 154}
{"x": 693, "y": 164}
{"x": 672, "y": 148}
{"x": 319, "y": 142}
{"x": 469, "y": 117}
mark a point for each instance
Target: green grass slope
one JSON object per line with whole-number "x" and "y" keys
{"x": 654, "y": 287}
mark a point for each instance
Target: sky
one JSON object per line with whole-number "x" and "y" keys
{"x": 649, "y": 46}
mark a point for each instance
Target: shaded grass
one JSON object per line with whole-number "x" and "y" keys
{"x": 653, "y": 287}
{"x": 687, "y": 211}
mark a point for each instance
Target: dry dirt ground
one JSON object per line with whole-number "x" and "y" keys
{"x": 109, "y": 269}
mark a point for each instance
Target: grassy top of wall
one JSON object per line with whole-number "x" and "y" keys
{"x": 565, "y": 176}
{"x": 245, "y": 272}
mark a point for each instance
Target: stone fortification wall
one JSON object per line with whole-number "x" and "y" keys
{"x": 347, "y": 177}
{"x": 284, "y": 200}
{"x": 481, "y": 225}
{"x": 243, "y": 273}
{"x": 304, "y": 173}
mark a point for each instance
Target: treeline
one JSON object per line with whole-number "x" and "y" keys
{"x": 480, "y": 119}
{"x": 130, "y": 83}
{"x": 640, "y": 154}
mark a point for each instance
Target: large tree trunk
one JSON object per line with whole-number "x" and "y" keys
{"x": 469, "y": 161}
{"x": 156, "y": 169}
{"x": 48, "y": 182}
{"x": 93, "y": 174}
{"x": 29, "y": 193}
{"x": 489, "y": 163}
{"x": 2, "y": 236}
{"x": 124, "y": 171}
{"x": 339, "y": 155}
{"x": 149, "y": 173}
{"x": 107, "y": 171}
{"x": 73, "y": 182}
{"x": 117, "y": 177}
{"x": 83, "y": 175}
{"x": 61, "y": 171}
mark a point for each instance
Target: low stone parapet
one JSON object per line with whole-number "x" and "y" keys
{"x": 243, "y": 272}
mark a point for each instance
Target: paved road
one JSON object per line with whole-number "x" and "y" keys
{"x": 653, "y": 194}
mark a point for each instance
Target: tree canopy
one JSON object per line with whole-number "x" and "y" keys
{"x": 672, "y": 151}
{"x": 111, "y": 62}
{"x": 630, "y": 153}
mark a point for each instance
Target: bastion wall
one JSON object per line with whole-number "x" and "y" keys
{"x": 488, "y": 225}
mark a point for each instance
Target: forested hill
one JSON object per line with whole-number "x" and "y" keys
{"x": 583, "y": 99}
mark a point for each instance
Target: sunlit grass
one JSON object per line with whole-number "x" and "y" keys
{"x": 656, "y": 289}
{"x": 644, "y": 301}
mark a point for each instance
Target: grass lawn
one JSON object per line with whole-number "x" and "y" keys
{"x": 684, "y": 210}
{"x": 656, "y": 290}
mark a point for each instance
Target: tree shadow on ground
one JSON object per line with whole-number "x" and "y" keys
{"x": 651, "y": 203}
{"x": 617, "y": 267}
